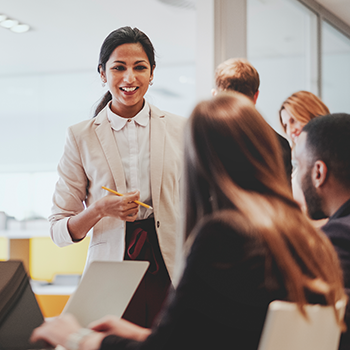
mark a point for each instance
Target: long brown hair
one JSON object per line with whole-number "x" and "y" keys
{"x": 233, "y": 164}
{"x": 303, "y": 106}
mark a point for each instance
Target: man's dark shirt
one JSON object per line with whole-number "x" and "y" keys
{"x": 338, "y": 231}
{"x": 287, "y": 156}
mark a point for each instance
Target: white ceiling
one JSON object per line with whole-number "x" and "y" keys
{"x": 340, "y": 8}
{"x": 67, "y": 34}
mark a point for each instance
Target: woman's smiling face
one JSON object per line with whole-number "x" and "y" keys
{"x": 292, "y": 126}
{"x": 128, "y": 74}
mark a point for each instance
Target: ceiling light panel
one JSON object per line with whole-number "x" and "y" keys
{"x": 12, "y": 24}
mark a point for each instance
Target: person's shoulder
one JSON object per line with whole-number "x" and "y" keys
{"x": 282, "y": 140}
{"x": 156, "y": 112}
{"x": 88, "y": 125}
{"x": 343, "y": 221}
{"x": 225, "y": 234}
{"x": 338, "y": 227}
{"x": 224, "y": 218}
{"x": 224, "y": 225}
{"x": 82, "y": 125}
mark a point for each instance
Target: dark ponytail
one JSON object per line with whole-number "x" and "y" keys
{"x": 103, "y": 103}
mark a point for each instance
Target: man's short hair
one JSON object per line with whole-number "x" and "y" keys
{"x": 328, "y": 139}
{"x": 237, "y": 74}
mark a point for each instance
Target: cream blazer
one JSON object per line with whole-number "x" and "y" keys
{"x": 91, "y": 159}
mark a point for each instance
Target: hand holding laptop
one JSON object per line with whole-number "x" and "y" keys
{"x": 105, "y": 289}
{"x": 66, "y": 331}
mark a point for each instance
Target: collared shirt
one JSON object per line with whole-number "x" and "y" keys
{"x": 133, "y": 139}
{"x": 343, "y": 210}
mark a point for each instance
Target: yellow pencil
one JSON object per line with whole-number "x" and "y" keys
{"x": 119, "y": 194}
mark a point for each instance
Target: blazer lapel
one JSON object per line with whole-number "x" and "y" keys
{"x": 157, "y": 142}
{"x": 105, "y": 135}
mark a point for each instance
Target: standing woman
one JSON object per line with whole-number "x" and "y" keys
{"x": 134, "y": 148}
{"x": 296, "y": 111}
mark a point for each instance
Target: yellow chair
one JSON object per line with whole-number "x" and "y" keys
{"x": 46, "y": 260}
{"x": 51, "y": 305}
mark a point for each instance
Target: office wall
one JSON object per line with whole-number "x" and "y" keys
{"x": 37, "y": 108}
{"x": 335, "y": 69}
{"x": 294, "y": 48}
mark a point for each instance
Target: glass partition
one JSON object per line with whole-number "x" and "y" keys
{"x": 279, "y": 46}
{"x": 335, "y": 69}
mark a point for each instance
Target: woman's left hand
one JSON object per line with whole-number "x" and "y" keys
{"x": 56, "y": 331}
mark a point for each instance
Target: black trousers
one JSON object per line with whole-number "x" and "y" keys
{"x": 142, "y": 244}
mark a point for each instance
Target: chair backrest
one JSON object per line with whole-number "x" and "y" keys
{"x": 286, "y": 328}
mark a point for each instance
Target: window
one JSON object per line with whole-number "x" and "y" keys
{"x": 279, "y": 45}
{"x": 335, "y": 69}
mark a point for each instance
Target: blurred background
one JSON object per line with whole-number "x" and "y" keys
{"x": 49, "y": 81}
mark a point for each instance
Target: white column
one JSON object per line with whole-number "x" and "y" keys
{"x": 230, "y": 26}
{"x": 205, "y": 64}
{"x": 221, "y": 34}
{"x": 313, "y": 54}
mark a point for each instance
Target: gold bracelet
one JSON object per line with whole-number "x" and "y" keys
{"x": 74, "y": 339}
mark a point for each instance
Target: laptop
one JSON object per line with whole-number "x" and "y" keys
{"x": 106, "y": 288}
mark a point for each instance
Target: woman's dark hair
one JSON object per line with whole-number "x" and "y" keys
{"x": 120, "y": 36}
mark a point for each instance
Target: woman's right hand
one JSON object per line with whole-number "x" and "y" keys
{"x": 121, "y": 207}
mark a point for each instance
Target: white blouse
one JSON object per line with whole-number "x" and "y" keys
{"x": 132, "y": 137}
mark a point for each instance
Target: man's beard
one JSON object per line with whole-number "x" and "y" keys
{"x": 312, "y": 199}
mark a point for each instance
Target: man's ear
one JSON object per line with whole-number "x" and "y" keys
{"x": 256, "y": 95}
{"x": 319, "y": 173}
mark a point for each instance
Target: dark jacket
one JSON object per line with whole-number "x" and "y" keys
{"x": 223, "y": 296}
{"x": 287, "y": 156}
{"x": 338, "y": 231}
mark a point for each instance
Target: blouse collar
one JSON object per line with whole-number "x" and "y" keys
{"x": 118, "y": 122}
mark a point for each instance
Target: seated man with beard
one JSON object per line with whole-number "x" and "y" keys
{"x": 323, "y": 156}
